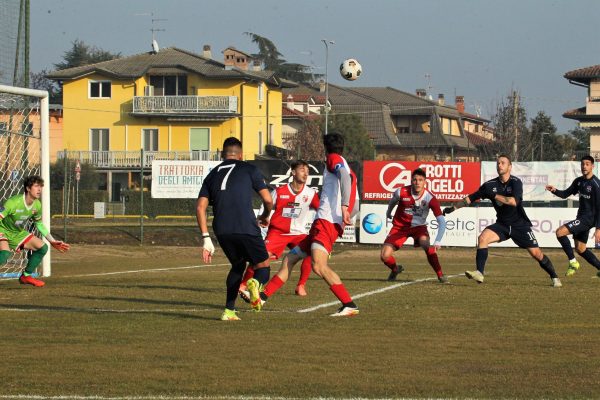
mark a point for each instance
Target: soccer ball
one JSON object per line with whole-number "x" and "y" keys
{"x": 350, "y": 69}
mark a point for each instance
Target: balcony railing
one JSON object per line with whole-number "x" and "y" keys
{"x": 132, "y": 159}
{"x": 184, "y": 104}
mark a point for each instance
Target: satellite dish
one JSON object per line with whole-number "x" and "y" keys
{"x": 154, "y": 46}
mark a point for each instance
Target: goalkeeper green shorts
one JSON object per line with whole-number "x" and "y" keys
{"x": 15, "y": 239}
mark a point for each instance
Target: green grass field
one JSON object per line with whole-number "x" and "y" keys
{"x": 142, "y": 322}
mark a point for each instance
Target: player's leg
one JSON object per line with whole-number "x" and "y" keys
{"x": 233, "y": 250}
{"x": 492, "y": 234}
{"x": 279, "y": 279}
{"x": 545, "y": 263}
{"x": 562, "y": 235}
{"x": 320, "y": 256}
{"x": 432, "y": 257}
{"x": 38, "y": 251}
{"x": 581, "y": 239}
{"x": 392, "y": 242}
{"x": 305, "y": 270}
{"x": 5, "y": 252}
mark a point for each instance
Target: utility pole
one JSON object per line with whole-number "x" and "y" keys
{"x": 515, "y": 125}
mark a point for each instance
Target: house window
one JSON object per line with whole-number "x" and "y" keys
{"x": 150, "y": 139}
{"x": 403, "y": 129}
{"x": 99, "y": 90}
{"x": 169, "y": 85}
{"x": 260, "y": 142}
{"x": 4, "y": 128}
{"x": 260, "y": 92}
{"x": 27, "y": 129}
{"x": 99, "y": 139}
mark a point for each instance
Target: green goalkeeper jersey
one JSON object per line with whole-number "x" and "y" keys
{"x": 15, "y": 215}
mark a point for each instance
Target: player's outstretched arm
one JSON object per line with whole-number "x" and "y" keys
{"x": 207, "y": 246}
{"x": 57, "y": 244}
{"x": 563, "y": 194}
{"x": 465, "y": 202}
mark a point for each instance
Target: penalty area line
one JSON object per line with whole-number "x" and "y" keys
{"x": 372, "y": 292}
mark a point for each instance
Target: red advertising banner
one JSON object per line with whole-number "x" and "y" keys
{"x": 448, "y": 181}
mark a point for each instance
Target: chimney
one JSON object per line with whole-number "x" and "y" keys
{"x": 459, "y": 101}
{"x": 290, "y": 102}
{"x": 322, "y": 86}
{"x": 421, "y": 93}
{"x": 441, "y": 100}
{"x": 206, "y": 53}
{"x": 256, "y": 65}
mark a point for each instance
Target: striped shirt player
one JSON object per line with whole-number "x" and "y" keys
{"x": 413, "y": 204}
{"x": 506, "y": 195}
{"x": 16, "y": 215}
{"x": 289, "y": 221}
{"x": 587, "y": 186}
{"x": 229, "y": 188}
{"x": 338, "y": 204}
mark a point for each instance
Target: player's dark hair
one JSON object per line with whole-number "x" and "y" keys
{"x": 420, "y": 172}
{"x": 505, "y": 156}
{"x": 231, "y": 145}
{"x": 587, "y": 158}
{"x": 29, "y": 181}
{"x": 334, "y": 143}
{"x": 298, "y": 163}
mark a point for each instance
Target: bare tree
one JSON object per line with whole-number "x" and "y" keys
{"x": 307, "y": 144}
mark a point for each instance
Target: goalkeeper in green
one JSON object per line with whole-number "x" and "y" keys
{"x": 14, "y": 217}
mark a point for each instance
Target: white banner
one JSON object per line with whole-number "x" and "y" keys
{"x": 464, "y": 226}
{"x": 179, "y": 179}
{"x": 536, "y": 175}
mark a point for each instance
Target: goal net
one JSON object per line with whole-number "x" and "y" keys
{"x": 24, "y": 151}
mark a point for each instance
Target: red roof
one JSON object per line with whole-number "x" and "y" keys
{"x": 477, "y": 140}
{"x": 305, "y": 98}
{"x": 584, "y": 75}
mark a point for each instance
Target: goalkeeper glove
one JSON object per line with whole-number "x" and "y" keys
{"x": 60, "y": 246}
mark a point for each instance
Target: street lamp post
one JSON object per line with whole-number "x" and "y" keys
{"x": 542, "y": 145}
{"x": 326, "y": 42}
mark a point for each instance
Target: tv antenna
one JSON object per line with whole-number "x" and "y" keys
{"x": 429, "y": 87}
{"x": 154, "y": 29}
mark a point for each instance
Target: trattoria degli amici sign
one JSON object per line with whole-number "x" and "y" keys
{"x": 448, "y": 181}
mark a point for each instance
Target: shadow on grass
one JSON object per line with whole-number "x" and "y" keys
{"x": 33, "y": 308}
{"x": 193, "y": 289}
{"x": 145, "y": 301}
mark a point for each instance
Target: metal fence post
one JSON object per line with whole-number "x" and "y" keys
{"x": 142, "y": 197}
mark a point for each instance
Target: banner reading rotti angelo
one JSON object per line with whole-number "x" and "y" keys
{"x": 448, "y": 181}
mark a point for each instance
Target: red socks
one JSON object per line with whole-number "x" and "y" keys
{"x": 341, "y": 293}
{"x": 434, "y": 261}
{"x": 391, "y": 263}
{"x": 305, "y": 270}
{"x": 273, "y": 285}
{"x": 249, "y": 274}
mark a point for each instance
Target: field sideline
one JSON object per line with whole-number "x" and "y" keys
{"x": 142, "y": 323}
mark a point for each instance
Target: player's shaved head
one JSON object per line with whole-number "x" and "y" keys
{"x": 231, "y": 147}
{"x": 31, "y": 180}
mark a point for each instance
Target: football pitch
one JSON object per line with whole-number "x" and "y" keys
{"x": 116, "y": 322}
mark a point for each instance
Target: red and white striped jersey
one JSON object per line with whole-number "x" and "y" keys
{"x": 413, "y": 210}
{"x": 330, "y": 208}
{"x": 291, "y": 211}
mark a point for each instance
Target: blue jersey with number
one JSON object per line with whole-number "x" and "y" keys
{"x": 505, "y": 214}
{"x": 589, "y": 199}
{"x": 229, "y": 188}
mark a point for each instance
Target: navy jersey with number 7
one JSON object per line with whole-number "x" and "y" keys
{"x": 229, "y": 188}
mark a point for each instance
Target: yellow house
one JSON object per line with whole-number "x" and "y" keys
{"x": 170, "y": 104}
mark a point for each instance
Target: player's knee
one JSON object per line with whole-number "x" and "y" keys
{"x": 42, "y": 250}
{"x": 580, "y": 249}
{"x": 4, "y": 256}
{"x": 318, "y": 268}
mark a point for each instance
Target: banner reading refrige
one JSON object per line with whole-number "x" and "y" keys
{"x": 448, "y": 181}
{"x": 179, "y": 179}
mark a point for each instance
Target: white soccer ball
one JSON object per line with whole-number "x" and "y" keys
{"x": 350, "y": 69}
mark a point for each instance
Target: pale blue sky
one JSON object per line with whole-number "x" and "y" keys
{"x": 479, "y": 49}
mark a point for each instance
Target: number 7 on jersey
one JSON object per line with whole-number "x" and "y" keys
{"x": 230, "y": 167}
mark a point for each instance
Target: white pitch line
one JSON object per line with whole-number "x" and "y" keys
{"x": 372, "y": 292}
{"x": 145, "y": 270}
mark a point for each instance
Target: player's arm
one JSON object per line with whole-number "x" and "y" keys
{"x": 563, "y": 194}
{"x": 596, "y": 197}
{"x": 515, "y": 199}
{"x": 465, "y": 202}
{"x": 314, "y": 203}
{"x": 267, "y": 207}
{"x": 201, "y": 217}
{"x": 393, "y": 203}
{"x": 57, "y": 244}
{"x": 346, "y": 191}
{"x": 441, "y": 220}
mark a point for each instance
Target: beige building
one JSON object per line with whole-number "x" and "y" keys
{"x": 589, "y": 115}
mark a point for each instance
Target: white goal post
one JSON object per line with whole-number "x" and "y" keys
{"x": 24, "y": 150}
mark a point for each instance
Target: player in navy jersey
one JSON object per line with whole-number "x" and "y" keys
{"x": 506, "y": 194}
{"x": 229, "y": 188}
{"x": 588, "y": 216}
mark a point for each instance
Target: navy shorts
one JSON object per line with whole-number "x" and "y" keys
{"x": 239, "y": 248}
{"x": 579, "y": 229}
{"x": 522, "y": 235}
